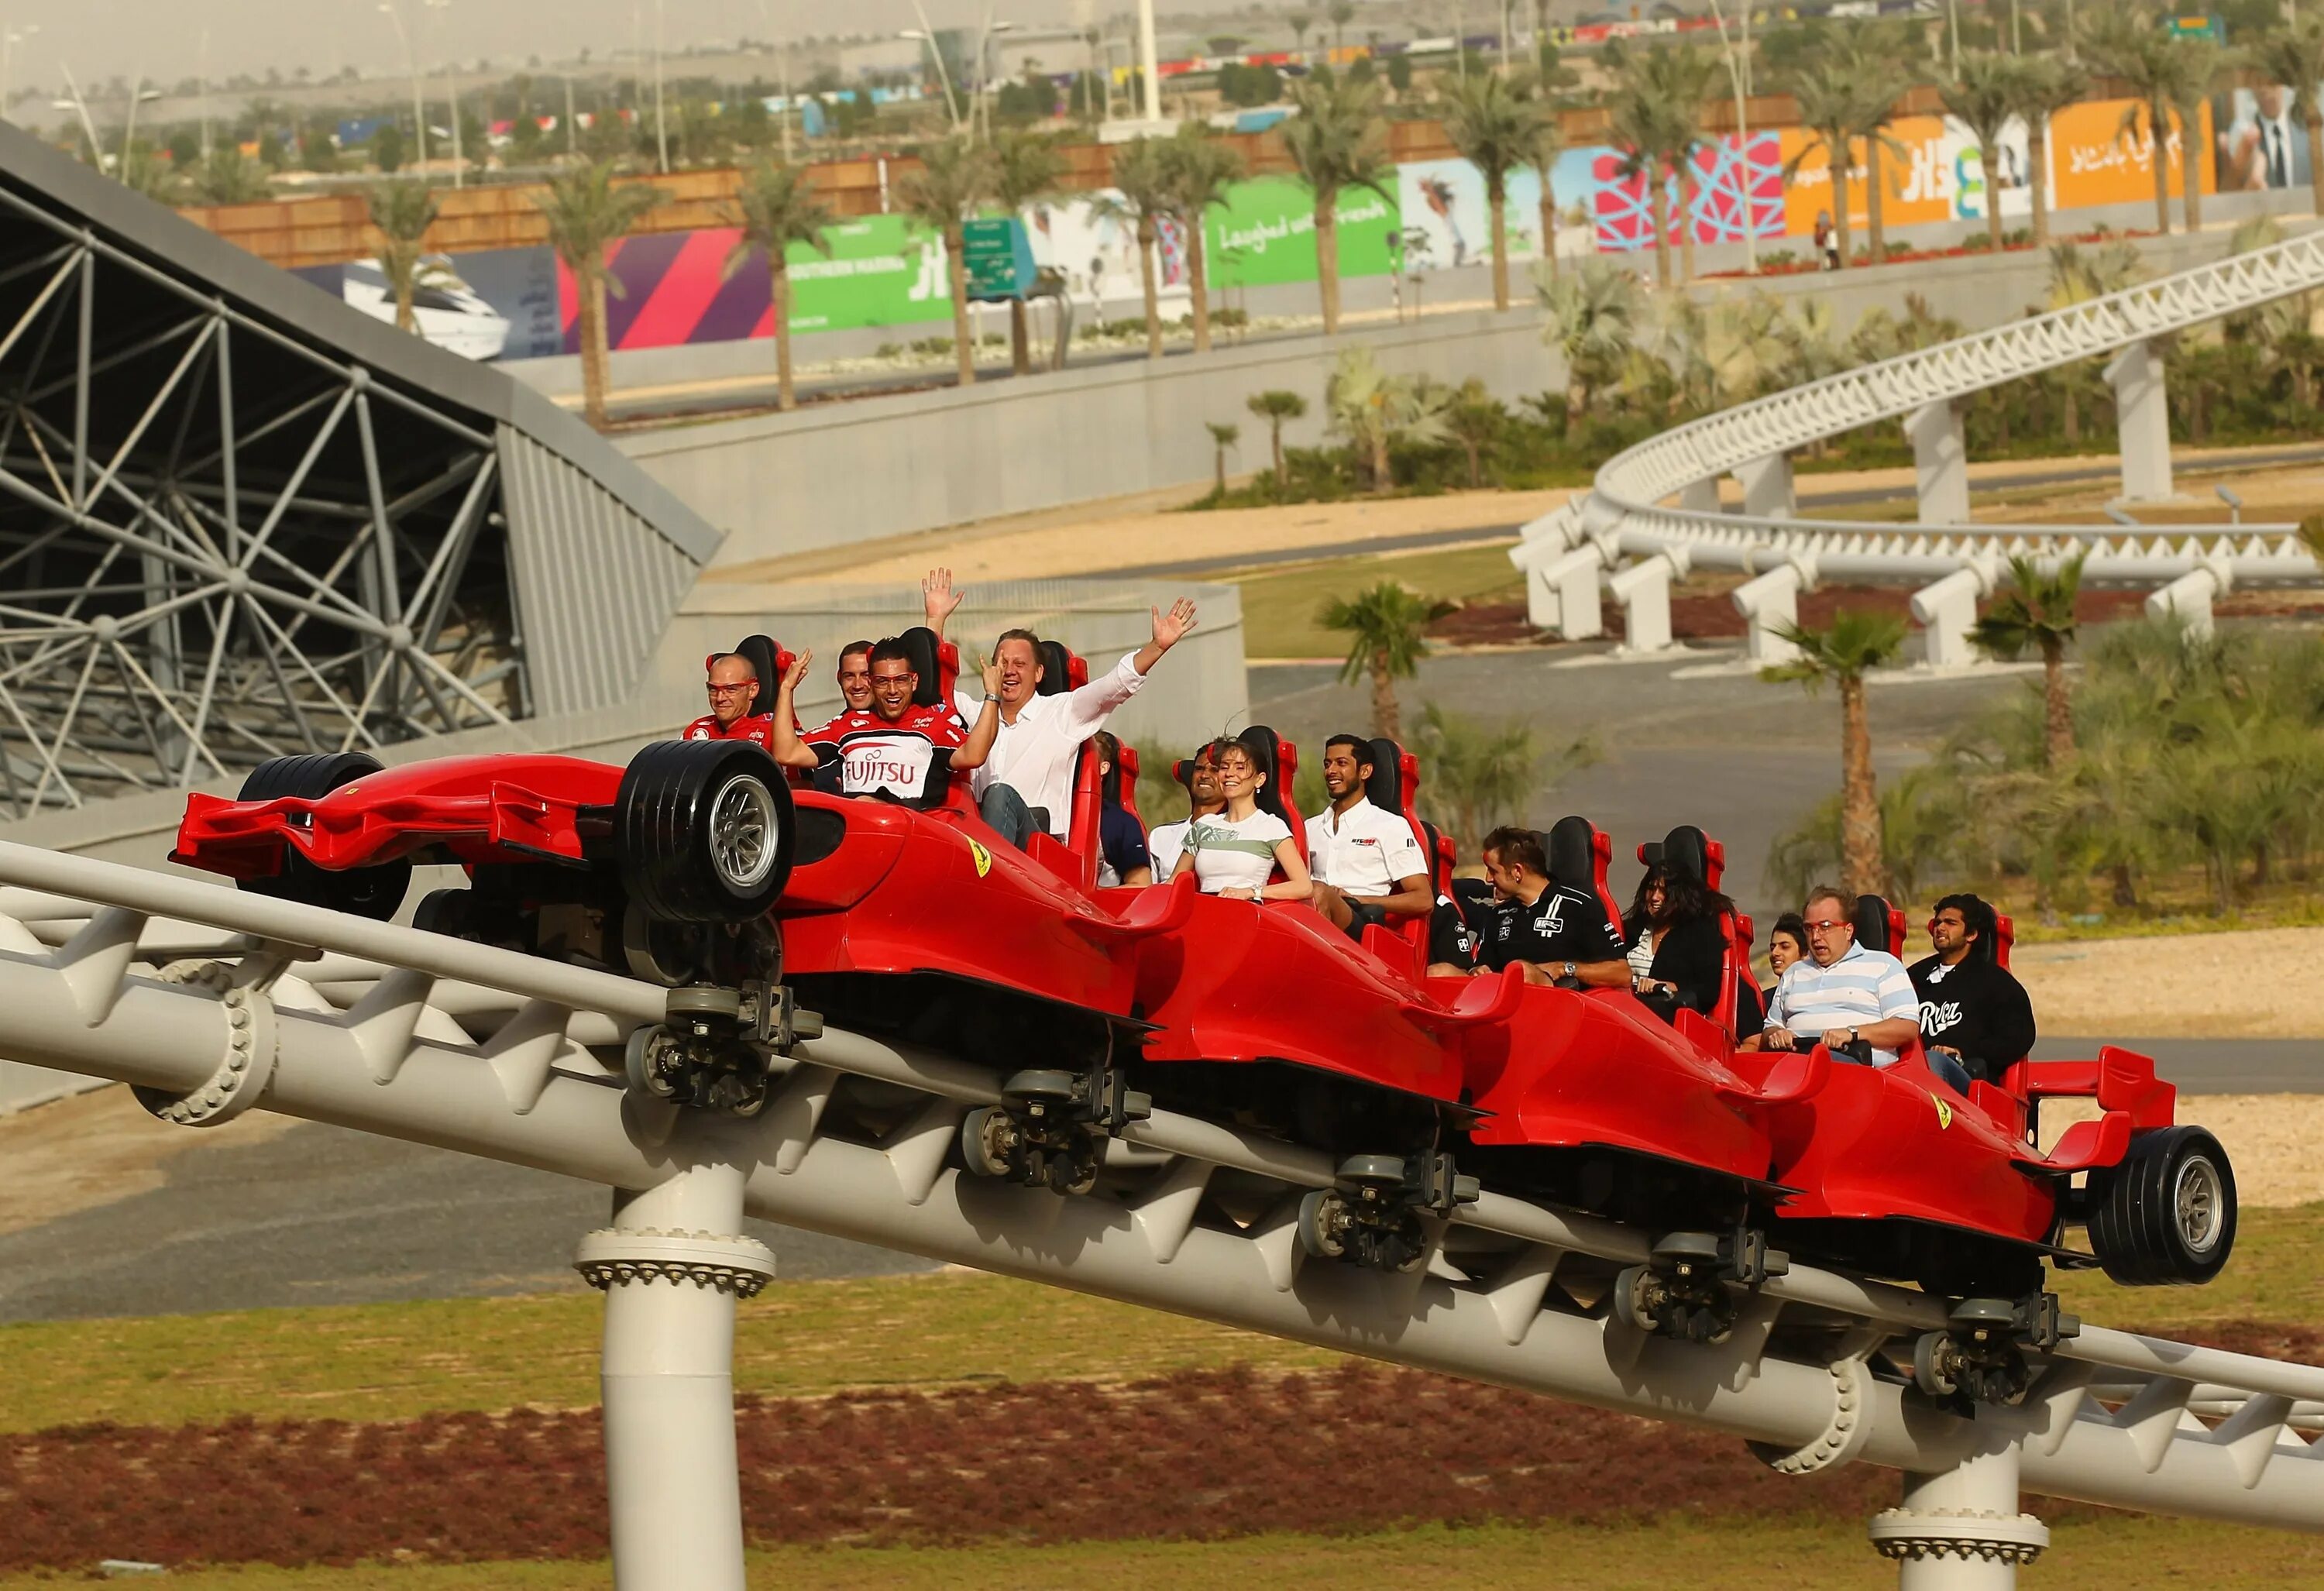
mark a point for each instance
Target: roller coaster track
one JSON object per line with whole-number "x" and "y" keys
{"x": 212, "y": 1001}
{"x": 1626, "y": 510}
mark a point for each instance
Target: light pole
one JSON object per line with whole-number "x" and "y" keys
{"x": 412, "y": 58}
{"x": 984, "y": 69}
{"x": 138, "y": 95}
{"x": 452, "y": 97}
{"x": 765, "y": 23}
{"x": 926, "y": 35}
{"x": 202, "y": 80}
{"x": 661, "y": 122}
{"x": 1149, "y": 64}
{"x": 96, "y": 150}
{"x": 1738, "y": 70}
{"x": 9, "y": 38}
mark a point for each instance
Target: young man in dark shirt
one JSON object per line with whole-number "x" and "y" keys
{"x": 1971, "y": 1008}
{"x": 1556, "y": 931}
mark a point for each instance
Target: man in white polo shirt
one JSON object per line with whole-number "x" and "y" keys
{"x": 1030, "y": 768}
{"x": 1843, "y": 994}
{"x": 1366, "y": 862}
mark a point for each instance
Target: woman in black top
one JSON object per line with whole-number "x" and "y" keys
{"x": 1673, "y": 925}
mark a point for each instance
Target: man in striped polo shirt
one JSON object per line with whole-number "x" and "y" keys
{"x": 1843, "y": 994}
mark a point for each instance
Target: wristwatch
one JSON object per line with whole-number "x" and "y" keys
{"x": 1855, "y": 1037}
{"x": 1569, "y": 970}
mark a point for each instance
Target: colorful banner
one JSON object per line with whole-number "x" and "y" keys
{"x": 1094, "y": 248}
{"x": 2262, "y": 139}
{"x": 1266, "y": 234}
{"x": 2093, "y": 162}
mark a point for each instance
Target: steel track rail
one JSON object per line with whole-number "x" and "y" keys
{"x": 411, "y": 1034}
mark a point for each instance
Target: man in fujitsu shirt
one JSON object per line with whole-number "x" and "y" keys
{"x": 898, "y": 750}
{"x": 733, "y": 682}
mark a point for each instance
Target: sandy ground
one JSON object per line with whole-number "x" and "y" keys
{"x": 2276, "y": 1141}
{"x": 2259, "y": 984}
{"x": 93, "y": 1148}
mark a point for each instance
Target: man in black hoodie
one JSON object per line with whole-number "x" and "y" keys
{"x": 1971, "y": 1008}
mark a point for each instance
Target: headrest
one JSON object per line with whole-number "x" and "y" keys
{"x": 1572, "y": 845}
{"x": 1871, "y": 920}
{"x": 1686, "y": 850}
{"x": 1386, "y": 786}
{"x": 1056, "y": 668}
{"x": 1269, "y": 745}
{"x": 921, "y": 642}
{"x": 769, "y": 661}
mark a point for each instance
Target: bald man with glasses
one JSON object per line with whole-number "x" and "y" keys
{"x": 1852, "y": 999}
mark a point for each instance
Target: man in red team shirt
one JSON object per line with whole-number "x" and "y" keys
{"x": 898, "y": 750}
{"x": 733, "y": 681}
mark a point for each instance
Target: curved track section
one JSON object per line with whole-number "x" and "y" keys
{"x": 1627, "y": 512}
{"x": 394, "y": 1031}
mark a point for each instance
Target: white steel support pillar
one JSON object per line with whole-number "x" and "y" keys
{"x": 1700, "y": 497}
{"x": 1770, "y": 603}
{"x": 1940, "y": 463}
{"x": 1564, "y": 592}
{"x": 1945, "y": 611}
{"x": 1962, "y": 1530}
{"x": 2143, "y": 428}
{"x": 672, "y": 1266}
{"x": 2189, "y": 597}
{"x": 1644, "y": 591}
{"x": 1768, "y": 492}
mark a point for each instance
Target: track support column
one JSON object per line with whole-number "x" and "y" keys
{"x": 1768, "y": 492}
{"x": 1960, "y": 1530}
{"x": 1644, "y": 591}
{"x": 1770, "y": 603}
{"x": 1940, "y": 463}
{"x": 2143, "y": 429}
{"x": 671, "y": 1267}
{"x": 1946, "y": 610}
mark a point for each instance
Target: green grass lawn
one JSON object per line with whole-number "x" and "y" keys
{"x": 1743, "y": 1555}
{"x": 1279, "y": 605}
{"x": 391, "y": 1361}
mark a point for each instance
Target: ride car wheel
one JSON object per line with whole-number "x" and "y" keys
{"x": 2166, "y": 1215}
{"x": 375, "y": 891}
{"x": 703, "y": 831}
{"x": 987, "y": 1136}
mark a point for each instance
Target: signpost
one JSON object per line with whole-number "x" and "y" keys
{"x": 999, "y": 257}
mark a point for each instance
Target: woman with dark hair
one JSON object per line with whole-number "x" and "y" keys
{"x": 1234, "y": 854}
{"x": 1787, "y": 941}
{"x": 1674, "y": 928}
{"x": 1122, "y": 857}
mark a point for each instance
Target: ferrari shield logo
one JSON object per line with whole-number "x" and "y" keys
{"x": 1944, "y": 1111}
{"x": 983, "y": 857}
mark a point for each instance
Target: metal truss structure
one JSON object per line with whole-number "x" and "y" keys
{"x": 238, "y": 522}
{"x": 212, "y": 1002}
{"x": 1629, "y": 512}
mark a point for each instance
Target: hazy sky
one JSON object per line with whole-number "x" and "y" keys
{"x": 163, "y": 38}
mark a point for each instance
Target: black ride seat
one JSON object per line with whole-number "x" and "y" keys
{"x": 1579, "y": 853}
{"x": 768, "y": 660}
{"x": 921, "y": 642}
{"x": 1279, "y": 761}
{"x": 1878, "y": 925}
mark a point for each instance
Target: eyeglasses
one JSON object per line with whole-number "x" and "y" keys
{"x": 1821, "y": 927}
{"x": 720, "y": 690}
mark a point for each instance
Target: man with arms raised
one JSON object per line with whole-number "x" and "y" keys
{"x": 896, "y": 751}
{"x": 1031, "y": 769}
{"x": 732, "y": 681}
{"x": 1556, "y": 932}
{"x": 1852, "y": 999}
{"x": 1366, "y": 863}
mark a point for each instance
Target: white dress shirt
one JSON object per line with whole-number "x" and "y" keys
{"x": 1035, "y": 755}
{"x": 1365, "y": 851}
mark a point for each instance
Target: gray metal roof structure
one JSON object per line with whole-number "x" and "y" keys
{"x": 239, "y": 519}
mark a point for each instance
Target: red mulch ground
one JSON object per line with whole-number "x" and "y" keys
{"x": 1191, "y": 1454}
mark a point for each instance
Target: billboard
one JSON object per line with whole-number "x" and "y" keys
{"x": 1265, "y": 234}
{"x": 1095, "y": 250}
{"x": 2260, "y": 139}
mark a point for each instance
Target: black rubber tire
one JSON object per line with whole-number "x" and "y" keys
{"x": 662, "y": 828}
{"x": 2136, "y": 1224}
{"x": 376, "y": 891}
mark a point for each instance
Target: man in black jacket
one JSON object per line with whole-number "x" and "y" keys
{"x": 1971, "y": 1008}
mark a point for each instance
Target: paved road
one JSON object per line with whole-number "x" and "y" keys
{"x": 2214, "y": 1066}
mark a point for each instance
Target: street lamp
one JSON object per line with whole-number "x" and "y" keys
{"x": 662, "y": 123}
{"x": 9, "y": 38}
{"x": 984, "y": 69}
{"x": 452, "y": 95}
{"x": 926, "y": 35}
{"x": 411, "y": 56}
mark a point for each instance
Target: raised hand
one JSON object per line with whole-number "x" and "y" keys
{"x": 938, "y": 600}
{"x": 1171, "y": 628}
{"x": 990, "y": 667}
{"x": 798, "y": 670}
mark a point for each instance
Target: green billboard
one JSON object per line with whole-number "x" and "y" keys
{"x": 1265, "y": 234}
{"x": 883, "y": 271}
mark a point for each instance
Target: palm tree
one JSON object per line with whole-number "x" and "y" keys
{"x": 1201, "y": 167}
{"x": 955, "y": 177}
{"x": 1144, "y": 193}
{"x": 2294, "y": 56}
{"x": 1825, "y": 88}
{"x": 1542, "y": 150}
{"x": 1301, "y": 20}
{"x": 1483, "y": 773}
{"x": 1687, "y": 76}
{"x": 775, "y": 209}
{"x": 230, "y": 178}
{"x": 1223, "y": 436}
{"x": 1026, "y": 168}
{"x": 588, "y": 213}
{"x": 2133, "y": 46}
{"x": 1856, "y": 644}
{"x": 1373, "y": 409}
{"x": 1656, "y": 122}
{"x": 2038, "y": 612}
{"x": 404, "y": 212}
{"x": 1275, "y": 407}
{"x": 1881, "y": 80}
{"x": 1983, "y": 99}
{"x": 2076, "y": 277}
{"x": 2046, "y": 84}
{"x": 2199, "y": 62}
{"x": 1337, "y": 141}
{"x": 1341, "y": 12}
{"x": 1591, "y": 318}
{"x": 1491, "y": 122}
{"x": 1473, "y": 419}
{"x": 1388, "y": 626}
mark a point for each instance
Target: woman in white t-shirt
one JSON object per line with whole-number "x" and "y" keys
{"x": 1234, "y": 852}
